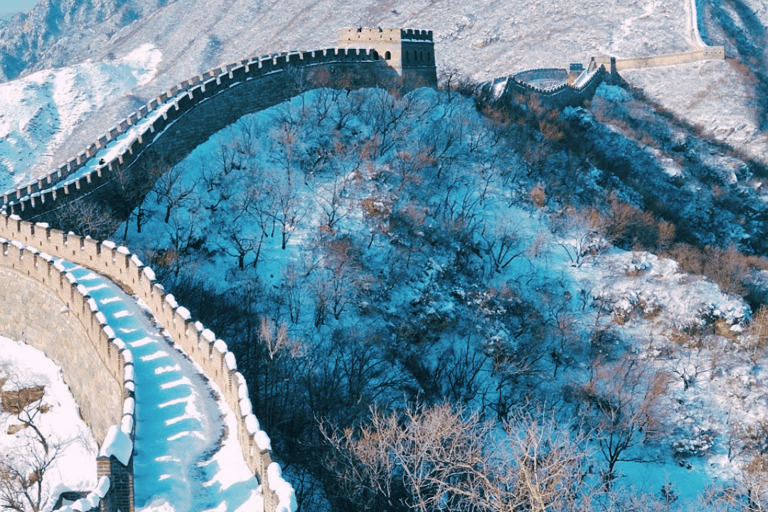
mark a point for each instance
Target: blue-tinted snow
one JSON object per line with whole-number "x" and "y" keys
{"x": 177, "y": 456}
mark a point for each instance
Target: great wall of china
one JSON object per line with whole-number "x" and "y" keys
{"x": 164, "y": 132}
{"x": 41, "y": 304}
{"x": 563, "y": 88}
{"x": 50, "y": 312}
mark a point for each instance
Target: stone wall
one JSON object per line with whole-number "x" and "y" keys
{"x": 42, "y": 306}
{"x": 706, "y": 53}
{"x": 176, "y": 122}
{"x": 199, "y": 343}
{"x": 32, "y": 312}
{"x": 411, "y": 53}
{"x": 534, "y": 75}
{"x": 505, "y": 89}
{"x": 192, "y": 112}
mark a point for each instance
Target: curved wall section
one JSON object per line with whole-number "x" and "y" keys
{"x": 200, "y": 344}
{"x": 534, "y": 76}
{"x": 505, "y": 89}
{"x": 42, "y": 306}
{"x": 39, "y": 306}
{"x": 187, "y": 115}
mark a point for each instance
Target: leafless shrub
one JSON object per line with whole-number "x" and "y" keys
{"x": 729, "y": 268}
{"x": 86, "y": 218}
{"x": 439, "y": 459}
{"x": 623, "y": 405}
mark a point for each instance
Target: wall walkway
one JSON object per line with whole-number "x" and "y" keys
{"x": 125, "y": 161}
{"x": 42, "y": 305}
{"x": 176, "y": 122}
{"x": 200, "y": 344}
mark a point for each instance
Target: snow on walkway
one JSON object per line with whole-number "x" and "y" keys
{"x": 180, "y": 463}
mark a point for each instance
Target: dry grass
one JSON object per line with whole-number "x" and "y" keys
{"x": 16, "y": 401}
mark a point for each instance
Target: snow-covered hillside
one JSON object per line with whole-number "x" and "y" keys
{"x": 368, "y": 246}
{"x": 41, "y": 111}
{"x": 72, "y": 448}
{"x": 481, "y": 40}
{"x": 364, "y": 247}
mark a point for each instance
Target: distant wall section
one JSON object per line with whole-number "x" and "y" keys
{"x": 706, "y": 53}
{"x": 507, "y": 89}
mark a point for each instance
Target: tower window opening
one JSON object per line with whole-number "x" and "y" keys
{"x": 388, "y": 55}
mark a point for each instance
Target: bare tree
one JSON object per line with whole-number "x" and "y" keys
{"x": 754, "y": 342}
{"x": 422, "y": 461}
{"x": 23, "y": 472}
{"x": 172, "y": 189}
{"x": 548, "y": 466}
{"x": 686, "y": 358}
{"x": 501, "y": 245}
{"x": 85, "y": 217}
{"x": 431, "y": 459}
{"x": 290, "y": 206}
{"x": 623, "y": 401}
{"x": 748, "y": 492}
{"x": 579, "y": 232}
{"x": 333, "y": 201}
{"x": 23, "y": 469}
{"x": 239, "y": 241}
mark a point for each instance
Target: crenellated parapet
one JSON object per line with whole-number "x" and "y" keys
{"x": 560, "y": 94}
{"x": 672, "y": 59}
{"x": 27, "y": 253}
{"x": 411, "y": 53}
{"x": 165, "y": 130}
{"x": 171, "y": 125}
{"x": 44, "y": 306}
{"x": 417, "y": 35}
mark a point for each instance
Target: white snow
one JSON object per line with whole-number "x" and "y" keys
{"x": 40, "y": 111}
{"x": 117, "y": 443}
{"x": 75, "y": 469}
{"x": 284, "y": 490}
{"x": 178, "y": 425}
{"x": 37, "y": 112}
{"x": 220, "y": 347}
{"x": 149, "y": 273}
{"x": 208, "y": 335}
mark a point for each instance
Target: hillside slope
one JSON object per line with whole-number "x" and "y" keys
{"x": 303, "y": 268}
{"x": 482, "y": 40}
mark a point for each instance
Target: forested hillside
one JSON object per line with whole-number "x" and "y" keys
{"x": 441, "y": 302}
{"x": 397, "y": 273}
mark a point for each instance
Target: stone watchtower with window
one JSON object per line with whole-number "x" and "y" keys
{"x": 411, "y": 53}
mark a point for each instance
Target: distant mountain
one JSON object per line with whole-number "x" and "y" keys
{"x": 57, "y": 33}
{"x": 482, "y": 39}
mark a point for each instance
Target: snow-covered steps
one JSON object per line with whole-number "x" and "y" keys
{"x": 185, "y": 456}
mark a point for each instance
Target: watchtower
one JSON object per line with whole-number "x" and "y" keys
{"x": 411, "y": 53}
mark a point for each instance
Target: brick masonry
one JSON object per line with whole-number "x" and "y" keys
{"x": 43, "y": 308}
{"x": 118, "y": 264}
{"x": 31, "y": 312}
{"x": 202, "y": 106}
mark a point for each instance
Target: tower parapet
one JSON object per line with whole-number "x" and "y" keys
{"x": 410, "y": 52}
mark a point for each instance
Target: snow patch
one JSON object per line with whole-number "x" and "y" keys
{"x": 286, "y": 496}
{"x": 117, "y": 443}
